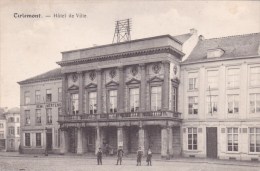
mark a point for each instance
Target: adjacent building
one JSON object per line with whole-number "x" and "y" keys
{"x": 2, "y": 132}
{"x": 40, "y": 105}
{"x": 12, "y": 129}
{"x": 178, "y": 95}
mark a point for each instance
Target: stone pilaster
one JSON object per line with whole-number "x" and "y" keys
{"x": 166, "y": 86}
{"x": 64, "y": 142}
{"x": 81, "y": 92}
{"x": 170, "y": 141}
{"x": 99, "y": 91}
{"x": 143, "y": 88}
{"x": 121, "y": 88}
{"x": 64, "y": 94}
{"x": 99, "y": 138}
{"x": 79, "y": 141}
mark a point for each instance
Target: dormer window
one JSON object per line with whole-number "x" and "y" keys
{"x": 215, "y": 53}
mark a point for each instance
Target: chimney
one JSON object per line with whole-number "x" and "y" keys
{"x": 201, "y": 38}
{"x": 193, "y": 31}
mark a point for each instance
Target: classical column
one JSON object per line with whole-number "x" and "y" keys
{"x": 81, "y": 92}
{"x": 143, "y": 88}
{"x": 164, "y": 142}
{"x": 120, "y": 137}
{"x": 99, "y": 91}
{"x": 99, "y": 136}
{"x": 79, "y": 141}
{"x": 170, "y": 141}
{"x": 64, "y": 143}
{"x": 166, "y": 87}
{"x": 121, "y": 90}
{"x": 141, "y": 137}
{"x": 64, "y": 94}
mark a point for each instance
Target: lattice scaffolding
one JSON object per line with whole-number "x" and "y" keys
{"x": 122, "y": 31}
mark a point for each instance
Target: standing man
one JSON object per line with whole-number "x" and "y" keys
{"x": 120, "y": 154}
{"x": 149, "y": 157}
{"x": 99, "y": 156}
{"x": 139, "y": 156}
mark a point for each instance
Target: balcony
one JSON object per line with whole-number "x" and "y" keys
{"x": 148, "y": 115}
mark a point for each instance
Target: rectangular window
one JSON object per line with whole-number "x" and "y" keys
{"x": 18, "y": 130}
{"x": 59, "y": 111}
{"x": 48, "y": 95}
{"x": 38, "y": 139}
{"x": 254, "y": 138}
{"x": 27, "y": 139}
{"x": 17, "y": 119}
{"x": 212, "y": 104}
{"x": 193, "y": 105}
{"x": 113, "y": 101}
{"x": 233, "y": 78}
{"x": 49, "y": 116}
{"x": 38, "y": 116}
{"x": 37, "y": 96}
{"x": 192, "y": 139}
{"x": 27, "y": 117}
{"x": 75, "y": 103}
{"x": 193, "y": 81}
{"x": 92, "y": 96}
{"x": 232, "y": 139}
{"x": 174, "y": 99}
{"x": 11, "y": 131}
{"x": 1, "y": 125}
{"x": 59, "y": 94}
{"x": 156, "y": 98}
{"x": 134, "y": 99}
{"x": 212, "y": 79}
{"x": 233, "y": 103}
{"x": 255, "y": 76}
{"x": 27, "y": 98}
{"x": 254, "y": 103}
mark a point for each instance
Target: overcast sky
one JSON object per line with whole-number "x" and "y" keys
{"x": 32, "y": 46}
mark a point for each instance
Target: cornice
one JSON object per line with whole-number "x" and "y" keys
{"x": 38, "y": 81}
{"x": 164, "y": 49}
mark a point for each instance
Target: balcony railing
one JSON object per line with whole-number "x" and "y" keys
{"x": 121, "y": 116}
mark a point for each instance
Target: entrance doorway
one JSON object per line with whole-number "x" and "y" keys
{"x": 212, "y": 142}
{"x": 49, "y": 139}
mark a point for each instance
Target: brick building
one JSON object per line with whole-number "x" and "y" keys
{"x": 178, "y": 95}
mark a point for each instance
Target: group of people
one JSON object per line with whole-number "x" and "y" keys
{"x": 120, "y": 154}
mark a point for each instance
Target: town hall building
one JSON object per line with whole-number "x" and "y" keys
{"x": 177, "y": 95}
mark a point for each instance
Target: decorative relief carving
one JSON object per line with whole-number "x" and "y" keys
{"x": 134, "y": 70}
{"x": 156, "y": 68}
{"x": 112, "y": 73}
{"x": 92, "y": 75}
{"x": 74, "y": 77}
{"x": 175, "y": 70}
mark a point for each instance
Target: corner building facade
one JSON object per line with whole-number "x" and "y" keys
{"x": 122, "y": 95}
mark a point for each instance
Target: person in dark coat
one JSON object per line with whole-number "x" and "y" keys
{"x": 120, "y": 154}
{"x": 149, "y": 157}
{"x": 139, "y": 156}
{"x": 99, "y": 156}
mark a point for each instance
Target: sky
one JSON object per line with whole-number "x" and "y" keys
{"x": 31, "y": 46}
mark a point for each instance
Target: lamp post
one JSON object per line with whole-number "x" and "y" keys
{"x": 46, "y": 148}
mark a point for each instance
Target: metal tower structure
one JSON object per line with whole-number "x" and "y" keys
{"x": 122, "y": 31}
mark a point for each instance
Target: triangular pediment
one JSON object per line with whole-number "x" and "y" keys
{"x": 91, "y": 85}
{"x": 112, "y": 83}
{"x": 155, "y": 79}
{"x": 133, "y": 81}
{"x": 73, "y": 87}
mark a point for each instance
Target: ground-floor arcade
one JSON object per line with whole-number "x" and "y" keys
{"x": 164, "y": 140}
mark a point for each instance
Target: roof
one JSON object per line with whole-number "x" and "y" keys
{"x": 233, "y": 46}
{"x": 50, "y": 75}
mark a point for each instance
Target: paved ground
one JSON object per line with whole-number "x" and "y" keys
{"x": 84, "y": 163}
